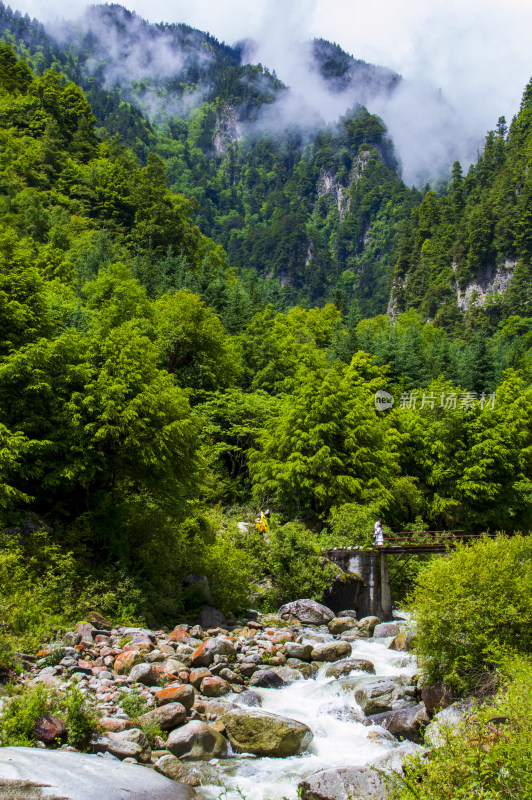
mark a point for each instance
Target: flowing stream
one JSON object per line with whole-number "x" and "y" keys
{"x": 340, "y": 738}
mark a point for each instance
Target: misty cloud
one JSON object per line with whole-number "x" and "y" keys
{"x": 127, "y": 52}
{"x": 477, "y": 52}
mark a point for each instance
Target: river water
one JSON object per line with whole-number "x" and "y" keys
{"x": 340, "y": 738}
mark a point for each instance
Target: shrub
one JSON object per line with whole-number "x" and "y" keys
{"x": 295, "y": 564}
{"x": 133, "y": 703}
{"x": 26, "y": 705}
{"x": 488, "y": 755}
{"x": 472, "y": 604}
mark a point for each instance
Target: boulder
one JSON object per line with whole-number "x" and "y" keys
{"x": 173, "y": 768}
{"x": 442, "y": 722}
{"x": 230, "y": 676}
{"x": 197, "y": 740}
{"x": 347, "y": 665}
{"x": 78, "y": 776}
{"x": 252, "y": 730}
{"x": 404, "y": 723}
{"x": 114, "y": 743}
{"x": 85, "y": 630}
{"x": 436, "y": 697}
{"x": 143, "y": 673}
{"x": 331, "y": 651}
{"x": 99, "y": 621}
{"x": 124, "y": 662}
{"x": 167, "y": 716}
{"x": 348, "y": 612}
{"x": 203, "y": 656}
{"x": 367, "y": 625}
{"x": 343, "y": 782}
{"x": 267, "y": 679}
{"x": 306, "y": 670}
{"x": 210, "y": 617}
{"x": 250, "y": 698}
{"x": 378, "y": 695}
{"x": 309, "y": 612}
{"x": 344, "y": 591}
{"x": 341, "y": 624}
{"x": 183, "y": 694}
{"x": 287, "y": 674}
{"x": 386, "y": 629}
{"x": 173, "y": 667}
{"x": 214, "y": 687}
{"x": 48, "y": 729}
{"x": 296, "y": 650}
{"x": 403, "y": 641}
{"x": 248, "y": 668}
{"x": 392, "y": 760}
{"x": 196, "y": 676}
{"x": 115, "y": 724}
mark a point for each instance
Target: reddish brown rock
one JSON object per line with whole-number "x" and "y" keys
{"x": 48, "y": 729}
{"x": 197, "y": 675}
{"x": 176, "y": 694}
{"x": 134, "y": 647}
{"x": 177, "y": 636}
{"x": 124, "y": 662}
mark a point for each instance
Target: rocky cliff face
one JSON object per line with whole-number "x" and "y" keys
{"x": 493, "y": 281}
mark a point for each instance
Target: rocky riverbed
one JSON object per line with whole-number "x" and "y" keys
{"x": 304, "y": 699}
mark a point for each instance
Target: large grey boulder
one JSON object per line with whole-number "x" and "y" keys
{"x": 78, "y": 776}
{"x": 267, "y": 679}
{"x": 197, "y": 740}
{"x": 203, "y": 656}
{"x": 392, "y": 760}
{"x": 309, "y": 612}
{"x": 121, "y": 746}
{"x": 404, "y": 723}
{"x": 378, "y": 695}
{"x": 251, "y": 730}
{"x": 331, "y": 651}
{"x": 385, "y": 629}
{"x": 344, "y": 667}
{"x": 166, "y": 717}
{"x": 297, "y": 650}
{"x": 443, "y": 723}
{"x": 341, "y": 783}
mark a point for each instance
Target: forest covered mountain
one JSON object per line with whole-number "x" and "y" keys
{"x": 205, "y": 290}
{"x": 194, "y": 317}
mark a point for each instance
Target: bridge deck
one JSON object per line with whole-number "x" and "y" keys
{"x": 416, "y": 542}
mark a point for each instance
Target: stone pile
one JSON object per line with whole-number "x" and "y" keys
{"x": 199, "y": 685}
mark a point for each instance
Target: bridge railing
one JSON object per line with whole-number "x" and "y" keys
{"x": 427, "y": 538}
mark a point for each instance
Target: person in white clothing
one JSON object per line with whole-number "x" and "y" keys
{"x": 378, "y": 533}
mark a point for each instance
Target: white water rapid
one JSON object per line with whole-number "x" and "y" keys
{"x": 340, "y": 738}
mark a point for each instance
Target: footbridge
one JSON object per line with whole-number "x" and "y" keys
{"x": 363, "y": 582}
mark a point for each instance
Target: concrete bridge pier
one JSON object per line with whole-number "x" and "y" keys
{"x": 372, "y": 596}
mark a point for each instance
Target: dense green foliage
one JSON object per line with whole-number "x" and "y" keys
{"x": 488, "y": 755}
{"x": 472, "y": 606}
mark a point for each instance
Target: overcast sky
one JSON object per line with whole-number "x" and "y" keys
{"x": 479, "y": 52}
